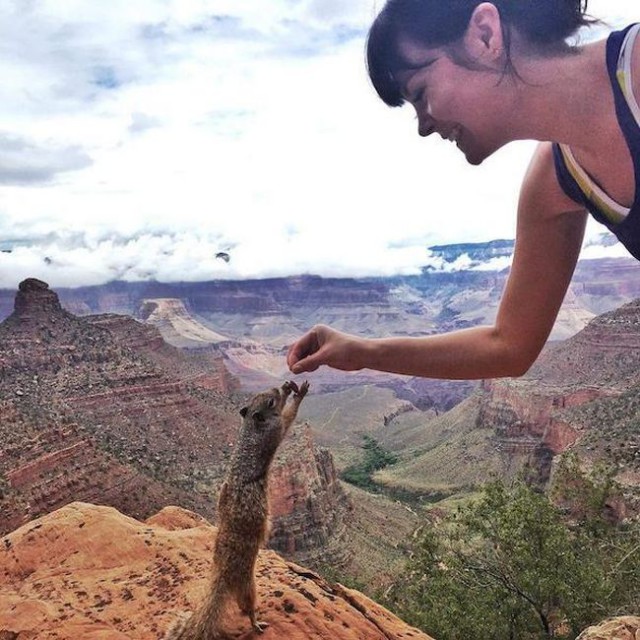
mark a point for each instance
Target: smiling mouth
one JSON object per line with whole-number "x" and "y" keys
{"x": 453, "y": 135}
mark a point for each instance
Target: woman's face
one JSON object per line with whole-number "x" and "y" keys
{"x": 468, "y": 105}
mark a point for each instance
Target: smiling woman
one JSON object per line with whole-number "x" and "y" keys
{"x": 422, "y": 52}
{"x": 483, "y": 74}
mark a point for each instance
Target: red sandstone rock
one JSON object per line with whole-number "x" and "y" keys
{"x": 624, "y": 628}
{"x": 309, "y": 508}
{"x": 89, "y": 572}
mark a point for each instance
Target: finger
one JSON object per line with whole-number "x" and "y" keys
{"x": 310, "y": 363}
{"x": 305, "y": 346}
{"x": 296, "y": 353}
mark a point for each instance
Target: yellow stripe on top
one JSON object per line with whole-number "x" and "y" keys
{"x": 609, "y": 208}
{"x": 623, "y": 72}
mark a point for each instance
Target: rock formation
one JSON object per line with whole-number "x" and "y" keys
{"x": 623, "y": 628}
{"x": 86, "y": 571}
{"x": 177, "y": 325}
{"x": 101, "y": 409}
{"x": 90, "y": 415}
{"x": 309, "y": 508}
{"x": 538, "y": 413}
{"x": 581, "y": 394}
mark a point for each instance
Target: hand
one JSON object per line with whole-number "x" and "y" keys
{"x": 324, "y": 345}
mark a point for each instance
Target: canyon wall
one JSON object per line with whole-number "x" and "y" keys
{"x": 101, "y": 409}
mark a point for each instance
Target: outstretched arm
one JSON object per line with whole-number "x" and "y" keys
{"x": 549, "y": 236}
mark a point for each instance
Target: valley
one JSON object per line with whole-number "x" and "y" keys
{"x": 127, "y": 395}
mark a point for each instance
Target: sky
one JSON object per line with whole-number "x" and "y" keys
{"x": 141, "y": 140}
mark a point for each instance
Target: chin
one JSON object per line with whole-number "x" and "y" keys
{"x": 476, "y": 155}
{"x": 475, "y": 158}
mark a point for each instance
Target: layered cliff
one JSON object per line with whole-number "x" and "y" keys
{"x": 88, "y": 414}
{"x": 101, "y": 409}
{"x": 177, "y": 325}
{"x": 309, "y": 508}
{"x": 598, "y": 364}
{"x": 582, "y": 394}
{"x": 430, "y": 301}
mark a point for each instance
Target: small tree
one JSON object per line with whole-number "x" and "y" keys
{"x": 508, "y": 567}
{"x": 375, "y": 457}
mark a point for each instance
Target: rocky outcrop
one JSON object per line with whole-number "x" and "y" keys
{"x": 539, "y": 414}
{"x": 624, "y": 628}
{"x": 101, "y": 409}
{"x": 34, "y": 298}
{"x": 177, "y": 325}
{"x": 86, "y": 571}
{"x": 309, "y": 507}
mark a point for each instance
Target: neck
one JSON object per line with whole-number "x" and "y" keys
{"x": 560, "y": 98}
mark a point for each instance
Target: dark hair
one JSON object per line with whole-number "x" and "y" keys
{"x": 545, "y": 23}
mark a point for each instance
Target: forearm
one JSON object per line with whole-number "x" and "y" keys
{"x": 480, "y": 352}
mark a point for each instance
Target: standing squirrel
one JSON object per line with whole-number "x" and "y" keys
{"x": 243, "y": 512}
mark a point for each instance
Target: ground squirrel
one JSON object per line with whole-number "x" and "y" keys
{"x": 243, "y": 513}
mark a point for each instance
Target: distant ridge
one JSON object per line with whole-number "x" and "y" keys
{"x": 478, "y": 252}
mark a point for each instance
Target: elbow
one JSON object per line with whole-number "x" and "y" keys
{"x": 518, "y": 358}
{"x": 519, "y": 366}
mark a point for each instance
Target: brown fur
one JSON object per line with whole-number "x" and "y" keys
{"x": 243, "y": 513}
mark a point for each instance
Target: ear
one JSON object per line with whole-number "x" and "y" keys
{"x": 243, "y": 411}
{"x": 483, "y": 40}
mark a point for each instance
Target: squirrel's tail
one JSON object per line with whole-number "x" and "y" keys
{"x": 204, "y": 623}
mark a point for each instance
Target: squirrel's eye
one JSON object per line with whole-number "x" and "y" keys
{"x": 272, "y": 403}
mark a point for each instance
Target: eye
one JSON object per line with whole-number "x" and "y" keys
{"x": 272, "y": 403}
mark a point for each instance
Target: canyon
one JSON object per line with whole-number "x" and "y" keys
{"x": 101, "y": 409}
{"x": 581, "y": 395}
{"x": 127, "y": 395}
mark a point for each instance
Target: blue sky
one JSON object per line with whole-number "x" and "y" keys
{"x": 139, "y": 139}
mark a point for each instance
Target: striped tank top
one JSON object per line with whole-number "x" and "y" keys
{"x": 624, "y": 222}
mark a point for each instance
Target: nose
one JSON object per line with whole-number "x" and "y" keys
{"x": 426, "y": 125}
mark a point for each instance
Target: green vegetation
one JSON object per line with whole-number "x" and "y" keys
{"x": 513, "y": 565}
{"x": 375, "y": 457}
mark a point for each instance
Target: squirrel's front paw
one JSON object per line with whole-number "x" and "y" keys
{"x": 302, "y": 391}
{"x": 288, "y": 387}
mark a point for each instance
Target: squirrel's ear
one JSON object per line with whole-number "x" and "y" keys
{"x": 243, "y": 411}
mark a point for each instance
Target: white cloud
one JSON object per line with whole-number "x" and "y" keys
{"x": 180, "y": 127}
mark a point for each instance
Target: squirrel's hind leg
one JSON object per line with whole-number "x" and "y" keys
{"x": 247, "y": 602}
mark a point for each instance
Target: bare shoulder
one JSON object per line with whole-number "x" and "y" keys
{"x": 541, "y": 195}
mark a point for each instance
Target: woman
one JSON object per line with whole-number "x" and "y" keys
{"x": 482, "y": 74}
